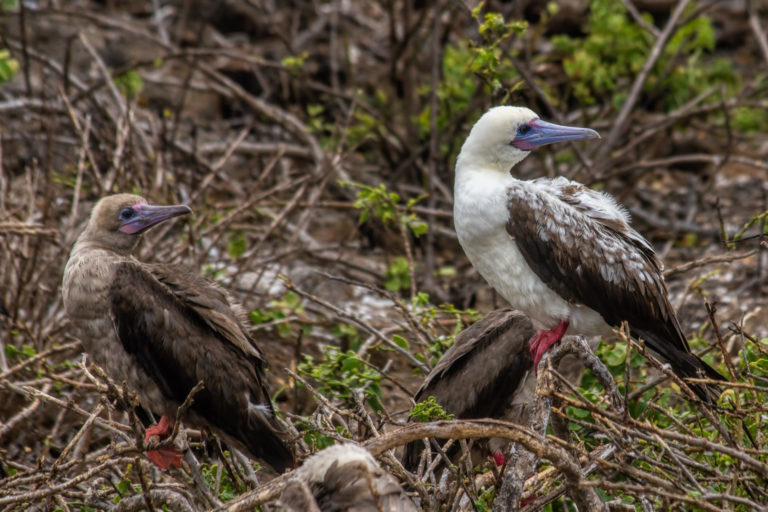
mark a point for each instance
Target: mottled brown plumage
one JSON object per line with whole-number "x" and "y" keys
{"x": 487, "y": 373}
{"x": 344, "y": 478}
{"x": 162, "y": 329}
{"x": 591, "y": 257}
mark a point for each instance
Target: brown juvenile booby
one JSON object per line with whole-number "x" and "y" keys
{"x": 488, "y": 373}
{"x": 345, "y": 478}
{"x": 561, "y": 253}
{"x": 162, "y": 330}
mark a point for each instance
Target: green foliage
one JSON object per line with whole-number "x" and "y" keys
{"x": 429, "y": 410}
{"x": 754, "y": 363}
{"x": 607, "y": 60}
{"x": 401, "y": 342}
{"x": 427, "y": 313}
{"x": 294, "y": 62}
{"x": 398, "y": 277}
{"x": 385, "y": 206}
{"x": 315, "y": 440}
{"x": 365, "y": 126}
{"x": 484, "y": 501}
{"x": 750, "y": 120}
{"x": 494, "y": 30}
{"x": 25, "y": 352}
{"x": 757, "y": 219}
{"x": 339, "y": 374}
{"x": 8, "y": 66}
{"x": 277, "y": 313}
{"x": 663, "y": 408}
{"x": 435, "y": 351}
{"x": 454, "y": 91}
{"x": 227, "y": 488}
{"x": 317, "y": 123}
{"x": 237, "y": 244}
{"x": 357, "y": 128}
{"x": 130, "y": 84}
{"x": 125, "y": 487}
{"x": 463, "y": 62}
{"x": 376, "y": 200}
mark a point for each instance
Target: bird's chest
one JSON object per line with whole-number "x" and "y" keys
{"x": 85, "y": 287}
{"x": 85, "y": 293}
{"x": 497, "y": 258}
{"x": 481, "y": 216}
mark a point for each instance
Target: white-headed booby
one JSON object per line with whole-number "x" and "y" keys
{"x": 560, "y": 252}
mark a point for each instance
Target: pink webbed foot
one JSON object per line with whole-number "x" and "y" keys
{"x": 545, "y": 339}
{"x": 162, "y": 457}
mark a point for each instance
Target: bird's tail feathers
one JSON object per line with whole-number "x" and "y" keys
{"x": 268, "y": 440}
{"x": 685, "y": 365}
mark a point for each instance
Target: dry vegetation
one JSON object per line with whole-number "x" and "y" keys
{"x": 315, "y": 140}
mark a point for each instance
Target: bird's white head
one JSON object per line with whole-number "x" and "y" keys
{"x": 504, "y": 136}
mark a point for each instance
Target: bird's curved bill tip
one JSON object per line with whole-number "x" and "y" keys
{"x": 542, "y": 133}
{"x": 148, "y": 215}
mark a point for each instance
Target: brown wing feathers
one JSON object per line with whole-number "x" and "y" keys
{"x": 181, "y": 335}
{"x": 477, "y": 377}
{"x": 587, "y": 262}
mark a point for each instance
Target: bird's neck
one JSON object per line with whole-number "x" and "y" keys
{"x": 473, "y": 179}
{"x": 473, "y": 158}
{"x": 121, "y": 245}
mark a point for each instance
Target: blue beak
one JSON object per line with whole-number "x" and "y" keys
{"x": 147, "y": 215}
{"x": 540, "y": 133}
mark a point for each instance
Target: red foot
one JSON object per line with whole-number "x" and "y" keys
{"x": 161, "y": 429}
{"x": 498, "y": 458}
{"x": 525, "y": 501}
{"x": 165, "y": 457}
{"x": 162, "y": 457}
{"x": 545, "y": 339}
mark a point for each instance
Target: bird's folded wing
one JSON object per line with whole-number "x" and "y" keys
{"x": 181, "y": 334}
{"x": 478, "y": 376}
{"x": 477, "y": 350}
{"x": 599, "y": 207}
{"x": 590, "y": 257}
{"x": 210, "y": 302}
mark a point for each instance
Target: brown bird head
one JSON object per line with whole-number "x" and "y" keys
{"x": 117, "y": 221}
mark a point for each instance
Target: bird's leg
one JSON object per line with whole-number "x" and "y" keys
{"x": 545, "y": 339}
{"x": 166, "y": 456}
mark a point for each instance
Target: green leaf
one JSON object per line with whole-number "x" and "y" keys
{"x": 418, "y": 227}
{"x": 401, "y": 342}
{"x": 8, "y": 66}
{"x": 429, "y": 410}
{"x": 129, "y": 83}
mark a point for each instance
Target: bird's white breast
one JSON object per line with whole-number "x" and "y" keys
{"x": 481, "y": 215}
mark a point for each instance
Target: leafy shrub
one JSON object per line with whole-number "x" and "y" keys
{"x": 606, "y": 61}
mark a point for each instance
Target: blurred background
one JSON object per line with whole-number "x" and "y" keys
{"x": 315, "y": 142}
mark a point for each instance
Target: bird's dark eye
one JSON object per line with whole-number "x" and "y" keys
{"x": 127, "y": 213}
{"x": 523, "y": 129}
